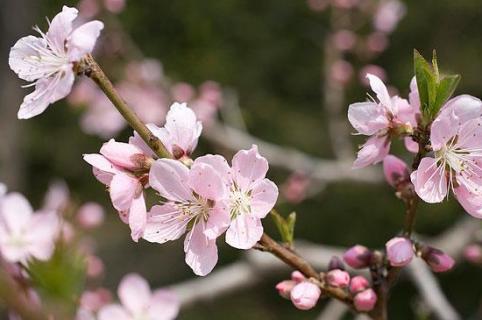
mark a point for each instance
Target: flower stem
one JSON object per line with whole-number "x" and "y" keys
{"x": 89, "y": 67}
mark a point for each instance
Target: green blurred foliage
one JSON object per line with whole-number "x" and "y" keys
{"x": 270, "y": 52}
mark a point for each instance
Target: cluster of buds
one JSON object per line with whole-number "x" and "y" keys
{"x": 303, "y": 293}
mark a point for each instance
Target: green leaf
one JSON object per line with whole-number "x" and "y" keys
{"x": 60, "y": 280}
{"x": 446, "y": 89}
{"x": 426, "y": 82}
{"x": 286, "y": 227}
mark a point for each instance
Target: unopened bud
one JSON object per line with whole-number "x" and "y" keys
{"x": 357, "y": 257}
{"x": 90, "y": 215}
{"x": 365, "y": 300}
{"x": 395, "y": 170}
{"x": 284, "y": 288}
{"x": 399, "y": 251}
{"x": 297, "y": 276}
{"x": 438, "y": 260}
{"x": 305, "y": 295}
{"x": 338, "y": 278}
{"x": 358, "y": 284}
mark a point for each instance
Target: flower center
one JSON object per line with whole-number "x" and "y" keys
{"x": 240, "y": 202}
{"x": 196, "y": 210}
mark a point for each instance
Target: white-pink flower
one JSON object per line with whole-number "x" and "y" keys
{"x": 23, "y": 234}
{"x": 123, "y": 168}
{"x": 379, "y": 120}
{"x": 47, "y": 61}
{"x": 456, "y": 163}
{"x": 138, "y": 302}
{"x": 181, "y": 132}
{"x": 196, "y": 204}
{"x": 251, "y": 194}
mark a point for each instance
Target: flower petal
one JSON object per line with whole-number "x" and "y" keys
{"x": 219, "y": 163}
{"x": 82, "y": 40}
{"x": 165, "y": 223}
{"x": 367, "y": 117}
{"x": 134, "y": 293}
{"x": 113, "y": 311}
{"x": 248, "y": 166}
{"x": 245, "y": 230}
{"x": 137, "y": 217}
{"x": 165, "y": 305}
{"x": 218, "y": 220}
{"x": 123, "y": 189}
{"x": 373, "y": 151}
{"x": 15, "y": 212}
{"x": 44, "y": 230}
{"x": 429, "y": 181}
{"x": 25, "y": 61}
{"x": 206, "y": 181}
{"x": 471, "y": 202}
{"x": 47, "y": 91}
{"x": 263, "y": 197}
{"x": 380, "y": 89}
{"x": 201, "y": 253}
{"x": 61, "y": 27}
{"x": 170, "y": 178}
{"x": 121, "y": 154}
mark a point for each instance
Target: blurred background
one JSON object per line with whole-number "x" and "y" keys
{"x": 278, "y": 70}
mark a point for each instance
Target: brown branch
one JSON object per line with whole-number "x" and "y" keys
{"x": 89, "y": 67}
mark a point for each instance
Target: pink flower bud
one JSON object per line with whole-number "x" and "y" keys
{"x": 377, "y": 42}
{"x": 341, "y": 71}
{"x": 284, "y": 288}
{"x": 297, "y": 276}
{"x": 358, "y": 284}
{"x": 399, "y": 251}
{"x": 371, "y": 69}
{"x": 344, "y": 40}
{"x": 357, "y": 257}
{"x": 438, "y": 260}
{"x": 115, "y": 6}
{"x": 96, "y": 299}
{"x": 338, "y": 278}
{"x": 305, "y": 295}
{"x": 473, "y": 253}
{"x": 90, "y": 215}
{"x": 395, "y": 170}
{"x": 365, "y": 300}
{"x": 95, "y": 266}
{"x": 124, "y": 155}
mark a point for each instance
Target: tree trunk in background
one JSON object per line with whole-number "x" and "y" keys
{"x": 16, "y": 19}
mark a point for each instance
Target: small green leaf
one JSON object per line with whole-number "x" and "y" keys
{"x": 446, "y": 89}
{"x": 426, "y": 82}
{"x": 60, "y": 280}
{"x": 286, "y": 227}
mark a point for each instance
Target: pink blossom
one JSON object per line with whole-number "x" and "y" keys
{"x": 365, "y": 300}
{"x": 395, "y": 170}
{"x": 473, "y": 253}
{"x": 196, "y": 204}
{"x": 389, "y": 13}
{"x": 90, "y": 215}
{"x": 47, "y": 61}
{"x": 341, "y": 71}
{"x": 57, "y": 197}
{"x": 181, "y": 131}
{"x": 338, "y": 278}
{"x": 284, "y": 288}
{"x": 374, "y": 70}
{"x": 457, "y": 148}
{"x": 358, "y": 284}
{"x": 357, "y": 257}
{"x": 123, "y": 168}
{"x": 377, "y": 120}
{"x": 305, "y": 295}
{"x": 93, "y": 300}
{"x": 295, "y": 187}
{"x": 115, "y": 6}
{"x": 399, "y": 251}
{"x": 251, "y": 195}
{"x": 437, "y": 260}
{"x": 377, "y": 42}
{"x": 95, "y": 266}
{"x": 23, "y": 233}
{"x": 344, "y": 40}
{"x": 138, "y": 302}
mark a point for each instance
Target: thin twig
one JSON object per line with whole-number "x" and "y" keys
{"x": 91, "y": 69}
